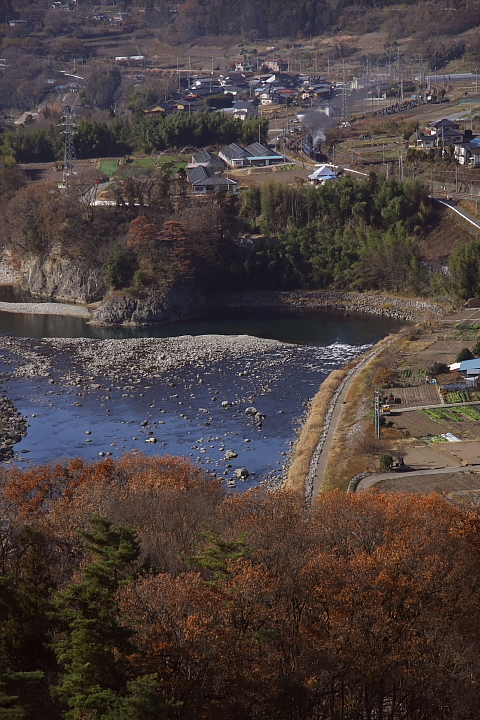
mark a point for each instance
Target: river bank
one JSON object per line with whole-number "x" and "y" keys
{"x": 184, "y": 395}
{"x": 413, "y": 310}
{"x": 116, "y": 309}
{"x": 383, "y": 305}
{"x": 429, "y": 430}
{"x": 46, "y": 308}
{"x": 310, "y": 453}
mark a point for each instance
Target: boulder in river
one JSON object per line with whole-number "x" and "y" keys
{"x": 242, "y": 473}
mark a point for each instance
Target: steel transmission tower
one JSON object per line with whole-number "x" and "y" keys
{"x": 344, "y": 113}
{"x": 69, "y": 148}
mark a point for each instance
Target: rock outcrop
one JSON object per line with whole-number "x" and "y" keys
{"x": 63, "y": 279}
{"x": 176, "y": 302}
{"x": 67, "y": 280}
{"x": 13, "y": 428}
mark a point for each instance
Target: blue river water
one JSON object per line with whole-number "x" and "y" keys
{"x": 181, "y": 409}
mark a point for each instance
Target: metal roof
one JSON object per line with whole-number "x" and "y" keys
{"x": 469, "y": 365}
{"x": 204, "y": 156}
{"x": 260, "y": 151}
{"x": 218, "y": 180}
{"x": 234, "y": 152}
{"x": 197, "y": 174}
{"x": 201, "y": 175}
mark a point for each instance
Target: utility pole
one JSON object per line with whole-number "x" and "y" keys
{"x": 344, "y": 116}
{"x": 377, "y": 413}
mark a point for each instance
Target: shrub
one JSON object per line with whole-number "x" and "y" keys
{"x": 118, "y": 270}
{"x": 438, "y": 368}
{"x": 386, "y": 462}
{"x": 386, "y": 377}
{"x": 465, "y": 354}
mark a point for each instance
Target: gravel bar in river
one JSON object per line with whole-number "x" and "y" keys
{"x": 190, "y": 396}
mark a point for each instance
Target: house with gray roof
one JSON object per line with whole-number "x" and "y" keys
{"x": 203, "y": 181}
{"x": 208, "y": 159}
{"x": 255, "y": 154}
{"x": 234, "y": 155}
{"x": 259, "y": 155}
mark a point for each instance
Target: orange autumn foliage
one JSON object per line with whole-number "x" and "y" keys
{"x": 362, "y": 603}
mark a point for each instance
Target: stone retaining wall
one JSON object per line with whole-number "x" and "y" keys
{"x": 388, "y": 306}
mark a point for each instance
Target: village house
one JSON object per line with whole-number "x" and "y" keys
{"x": 207, "y": 159}
{"x": 259, "y": 155}
{"x": 203, "y": 181}
{"x": 189, "y": 104}
{"x": 233, "y": 78}
{"x": 438, "y": 126}
{"x": 443, "y": 133}
{"x": 322, "y": 175}
{"x": 254, "y": 155}
{"x": 467, "y": 153}
{"x": 275, "y": 64}
{"x": 245, "y": 66}
{"x": 243, "y": 110}
{"x": 159, "y": 109}
{"x": 233, "y": 155}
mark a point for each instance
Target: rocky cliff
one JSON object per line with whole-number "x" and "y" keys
{"x": 67, "y": 280}
{"x": 63, "y": 279}
{"x": 177, "y": 302}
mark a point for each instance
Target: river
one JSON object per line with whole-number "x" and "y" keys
{"x": 79, "y": 408}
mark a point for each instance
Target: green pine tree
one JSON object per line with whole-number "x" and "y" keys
{"x": 93, "y": 677}
{"x": 142, "y": 702}
{"x": 217, "y": 554}
{"x": 14, "y": 683}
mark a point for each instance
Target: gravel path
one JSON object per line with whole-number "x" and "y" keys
{"x": 320, "y": 457}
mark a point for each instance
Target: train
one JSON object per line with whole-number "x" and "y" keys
{"x": 313, "y": 148}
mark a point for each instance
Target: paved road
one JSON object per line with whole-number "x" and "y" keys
{"x": 397, "y": 409}
{"x": 371, "y": 480}
{"x": 332, "y": 430}
{"x": 469, "y": 218}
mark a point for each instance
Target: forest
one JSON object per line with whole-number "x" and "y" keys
{"x": 62, "y": 33}
{"x": 358, "y": 235}
{"x": 138, "y": 589}
{"x": 103, "y": 137}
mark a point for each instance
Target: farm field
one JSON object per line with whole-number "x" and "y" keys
{"x": 451, "y": 483}
{"x": 444, "y": 432}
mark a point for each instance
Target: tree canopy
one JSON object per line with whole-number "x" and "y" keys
{"x": 163, "y": 597}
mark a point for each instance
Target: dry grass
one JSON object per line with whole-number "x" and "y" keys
{"x": 355, "y": 447}
{"x": 358, "y": 390}
{"x": 312, "y": 430}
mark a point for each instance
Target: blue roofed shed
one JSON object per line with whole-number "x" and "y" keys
{"x": 470, "y": 367}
